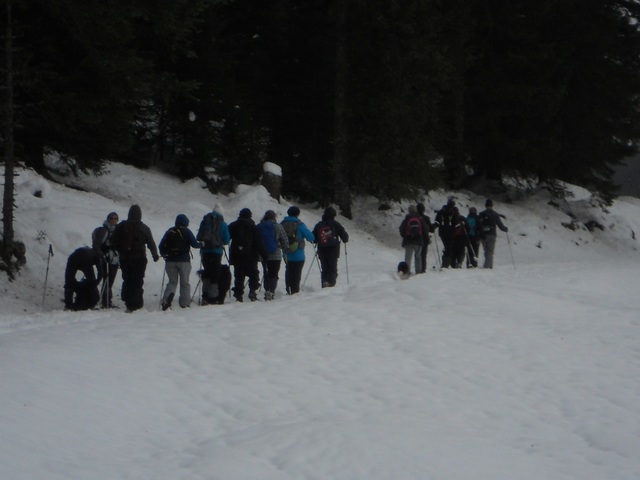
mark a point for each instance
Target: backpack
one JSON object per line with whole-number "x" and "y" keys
{"x": 101, "y": 233}
{"x": 173, "y": 243}
{"x": 209, "y": 231}
{"x": 291, "y": 229}
{"x": 485, "y": 222}
{"x": 129, "y": 239}
{"x": 326, "y": 238}
{"x": 413, "y": 228}
{"x": 267, "y": 231}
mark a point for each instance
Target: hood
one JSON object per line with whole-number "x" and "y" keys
{"x": 135, "y": 213}
{"x": 182, "y": 220}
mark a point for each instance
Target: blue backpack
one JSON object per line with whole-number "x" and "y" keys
{"x": 267, "y": 231}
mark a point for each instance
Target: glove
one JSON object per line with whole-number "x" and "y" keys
{"x": 506, "y": 229}
{"x": 156, "y": 258}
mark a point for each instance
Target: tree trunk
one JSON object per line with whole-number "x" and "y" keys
{"x": 342, "y": 194}
{"x": 9, "y": 187}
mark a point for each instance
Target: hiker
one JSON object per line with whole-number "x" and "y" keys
{"x": 445, "y": 223}
{"x": 473, "y": 246}
{"x": 328, "y": 232}
{"x": 460, "y": 241}
{"x": 489, "y": 220}
{"x": 425, "y": 246}
{"x": 109, "y": 261}
{"x": 297, "y": 232}
{"x": 213, "y": 233}
{"x": 175, "y": 248}
{"x": 82, "y": 294}
{"x": 245, "y": 250}
{"x": 131, "y": 238}
{"x": 275, "y": 241}
{"x": 414, "y": 232}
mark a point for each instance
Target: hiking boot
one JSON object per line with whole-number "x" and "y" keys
{"x": 269, "y": 296}
{"x": 238, "y": 298}
{"x": 253, "y": 296}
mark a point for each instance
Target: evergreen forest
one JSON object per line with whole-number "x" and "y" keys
{"x": 382, "y": 97}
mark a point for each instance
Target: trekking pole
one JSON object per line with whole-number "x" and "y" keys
{"x": 470, "y": 248}
{"x": 46, "y": 276}
{"x": 438, "y": 252}
{"x": 511, "y": 251}
{"x": 309, "y": 271}
{"x": 346, "y": 262}
{"x": 164, "y": 272}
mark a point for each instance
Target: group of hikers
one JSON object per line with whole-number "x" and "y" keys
{"x": 461, "y": 236}
{"x": 122, "y": 246}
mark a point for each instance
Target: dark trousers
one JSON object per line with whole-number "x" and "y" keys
{"x": 292, "y": 276}
{"x": 329, "y": 264}
{"x": 271, "y": 275}
{"x": 211, "y": 264}
{"x": 242, "y": 271}
{"x": 133, "y": 270}
{"x": 83, "y": 294}
{"x": 473, "y": 250}
{"x": 423, "y": 255}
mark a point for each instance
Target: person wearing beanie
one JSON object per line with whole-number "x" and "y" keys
{"x": 328, "y": 233}
{"x": 244, "y": 253}
{"x": 131, "y": 238}
{"x": 275, "y": 242}
{"x": 213, "y": 233}
{"x": 297, "y": 236}
{"x": 415, "y": 233}
{"x": 109, "y": 261}
{"x": 447, "y": 220}
{"x": 489, "y": 219}
{"x": 427, "y": 239}
{"x": 175, "y": 248}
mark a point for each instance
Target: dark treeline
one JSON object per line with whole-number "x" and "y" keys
{"x": 348, "y": 96}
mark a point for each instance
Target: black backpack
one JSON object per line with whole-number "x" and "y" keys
{"x": 173, "y": 243}
{"x": 485, "y": 223}
{"x": 291, "y": 229}
{"x": 326, "y": 236}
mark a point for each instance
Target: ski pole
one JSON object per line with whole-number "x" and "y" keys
{"x": 438, "y": 252}
{"x": 511, "y": 251}
{"x": 162, "y": 285}
{"x": 309, "y": 271}
{"x": 46, "y": 276}
{"x": 346, "y": 262}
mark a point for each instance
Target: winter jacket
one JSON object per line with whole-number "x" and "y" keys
{"x": 303, "y": 234}
{"x": 182, "y": 223}
{"x": 101, "y": 242}
{"x": 407, "y": 240}
{"x": 246, "y": 245}
{"x": 281, "y": 239}
{"x": 489, "y": 228}
{"x": 131, "y": 237}
{"x": 473, "y": 226}
{"x": 446, "y": 220}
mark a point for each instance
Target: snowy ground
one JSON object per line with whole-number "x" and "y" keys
{"x": 528, "y": 371}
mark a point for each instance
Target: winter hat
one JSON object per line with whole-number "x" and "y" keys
{"x": 269, "y": 215}
{"x": 245, "y": 213}
{"x": 135, "y": 213}
{"x": 488, "y": 203}
{"x": 293, "y": 211}
{"x": 330, "y": 212}
{"x": 451, "y": 202}
{"x": 218, "y": 208}
{"x": 112, "y": 215}
{"x": 421, "y": 208}
{"x": 473, "y": 210}
{"x": 182, "y": 220}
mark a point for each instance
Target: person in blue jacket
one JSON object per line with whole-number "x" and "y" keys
{"x": 178, "y": 262}
{"x": 298, "y": 234}
{"x": 211, "y": 253}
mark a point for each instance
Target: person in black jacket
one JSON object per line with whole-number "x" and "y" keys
{"x": 489, "y": 220}
{"x": 427, "y": 239}
{"x": 445, "y": 222}
{"x": 131, "y": 238}
{"x": 244, "y": 252}
{"x": 178, "y": 261}
{"x": 85, "y": 290}
{"x": 327, "y": 233}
